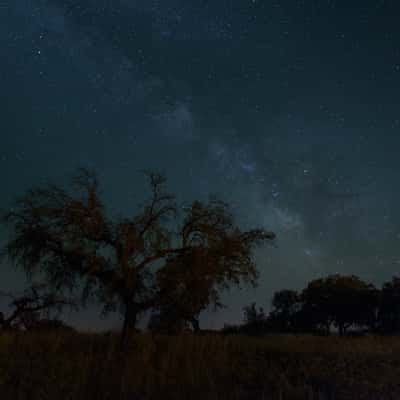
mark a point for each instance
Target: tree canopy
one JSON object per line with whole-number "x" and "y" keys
{"x": 341, "y": 300}
{"x": 154, "y": 258}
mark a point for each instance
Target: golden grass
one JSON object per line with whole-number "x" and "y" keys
{"x": 88, "y": 366}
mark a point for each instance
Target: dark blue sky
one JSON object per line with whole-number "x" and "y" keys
{"x": 289, "y": 110}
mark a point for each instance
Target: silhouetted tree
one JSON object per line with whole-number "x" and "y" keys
{"x": 70, "y": 240}
{"x": 284, "y": 314}
{"x": 29, "y": 309}
{"x": 389, "y": 307}
{"x": 254, "y": 320}
{"x": 338, "y": 300}
{"x": 219, "y": 255}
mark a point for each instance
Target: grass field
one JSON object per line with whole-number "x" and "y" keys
{"x": 89, "y": 366}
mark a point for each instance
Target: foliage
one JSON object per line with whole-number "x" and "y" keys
{"x": 30, "y": 309}
{"x": 389, "y": 307}
{"x": 285, "y": 313}
{"x": 219, "y": 256}
{"x": 336, "y": 301}
{"x": 341, "y": 300}
{"x": 254, "y": 320}
{"x": 68, "y": 238}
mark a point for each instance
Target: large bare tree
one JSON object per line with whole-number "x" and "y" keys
{"x": 67, "y": 237}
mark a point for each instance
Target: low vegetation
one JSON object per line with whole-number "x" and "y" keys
{"x": 90, "y": 366}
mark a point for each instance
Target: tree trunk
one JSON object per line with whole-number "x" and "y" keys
{"x": 195, "y": 325}
{"x": 130, "y": 318}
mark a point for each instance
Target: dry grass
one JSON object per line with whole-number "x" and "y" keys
{"x": 80, "y": 366}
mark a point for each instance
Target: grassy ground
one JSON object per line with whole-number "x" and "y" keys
{"x": 79, "y": 366}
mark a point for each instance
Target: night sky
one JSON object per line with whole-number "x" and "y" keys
{"x": 289, "y": 110}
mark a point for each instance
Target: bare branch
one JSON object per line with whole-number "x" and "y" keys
{"x": 36, "y": 299}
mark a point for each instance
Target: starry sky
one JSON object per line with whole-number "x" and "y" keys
{"x": 289, "y": 110}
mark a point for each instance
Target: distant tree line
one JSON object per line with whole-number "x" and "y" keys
{"x": 337, "y": 303}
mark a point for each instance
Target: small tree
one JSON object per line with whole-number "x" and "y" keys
{"x": 389, "y": 307}
{"x": 254, "y": 321}
{"x": 29, "y": 309}
{"x": 285, "y": 311}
